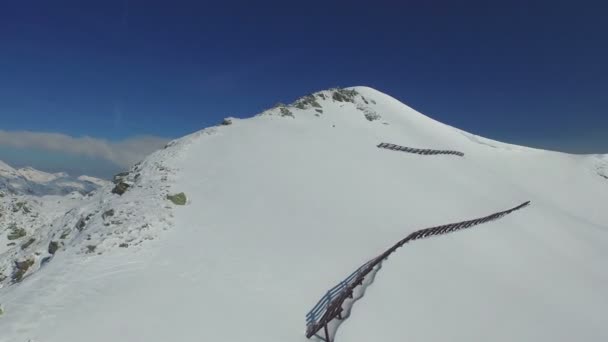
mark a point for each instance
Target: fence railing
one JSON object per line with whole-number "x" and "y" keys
{"x": 330, "y": 305}
{"x": 418, "y": 150}
{"x": 321, "y": 307}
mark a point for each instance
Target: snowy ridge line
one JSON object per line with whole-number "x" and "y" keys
{"x": 426, "y": 152}
{"x": 330, "y": 306}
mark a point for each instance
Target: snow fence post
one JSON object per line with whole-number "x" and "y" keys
{"x": 326, "y": 333}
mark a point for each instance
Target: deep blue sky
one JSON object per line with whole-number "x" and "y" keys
{"x": 526, "y": 73}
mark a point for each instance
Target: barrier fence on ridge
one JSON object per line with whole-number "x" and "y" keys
{"x": 330, "y": 307}
{"x": 418, "y": 150}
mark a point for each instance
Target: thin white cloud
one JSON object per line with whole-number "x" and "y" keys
{"x": 123, "y": 153}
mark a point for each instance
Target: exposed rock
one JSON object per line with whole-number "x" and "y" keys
{"x": 343, "y": 95}
{"x": 21, "y": 206}
{"x": 16, "y": 233}
{"x": 21, "y": 268}
{"x": 177, "y": 199}
{"x": 119, "y": 177}
{"x": 371, "y": 116}
{"x": 286, "y": 112}
{"x": 53, "y": 247}
{"x": 28, "y": 243}
{"x": 227, "y": 122}
{"x": 81, "y": 224}
{"x": 107, "y": 214}
{"x": 306, "y": 102}
{"x": 65, "y": 234}
{"x": 124, "y": 245}
{"x": 120, "y": 188}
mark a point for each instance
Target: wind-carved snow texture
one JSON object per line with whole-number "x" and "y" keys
{"x": 426, "y": 152}
{"x": 333, "y": 307}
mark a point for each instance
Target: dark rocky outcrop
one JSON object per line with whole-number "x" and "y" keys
{"x": 344, "y": 95}
{"x": 371, "y": 116}
{"x": 120, "y": 188}
{"x": 119, "y": 177}
{"x": 16, "y": 233}
{"x": 53, "y": 247}
{"x": 307, "y": 101}
{"x": 28, "y": 243}
{"x": 178, "y": 199}
{"x": 21, "y": 268}
{"x": 107, "y": 213}
{"x": 286, "y": 112}
{"x": 82, "y": 222}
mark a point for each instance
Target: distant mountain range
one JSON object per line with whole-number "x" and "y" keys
{"x": 29, "y": 181}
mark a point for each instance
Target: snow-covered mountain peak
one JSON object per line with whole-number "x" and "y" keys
{"x": 262, "y": 216}
{"x": 365, "y": 99}
{"x": 318, "y": 102}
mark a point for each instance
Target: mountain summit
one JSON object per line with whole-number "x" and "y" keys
{"x": 233, "y": 233}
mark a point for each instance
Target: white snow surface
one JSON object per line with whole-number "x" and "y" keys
{"x": 284, "y": 205}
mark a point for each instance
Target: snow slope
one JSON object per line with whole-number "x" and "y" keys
{"x": 284, "y": 205}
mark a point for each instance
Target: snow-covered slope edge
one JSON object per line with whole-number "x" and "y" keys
{"x": 284, "y": 205}
{"x": 35, "y": 228}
